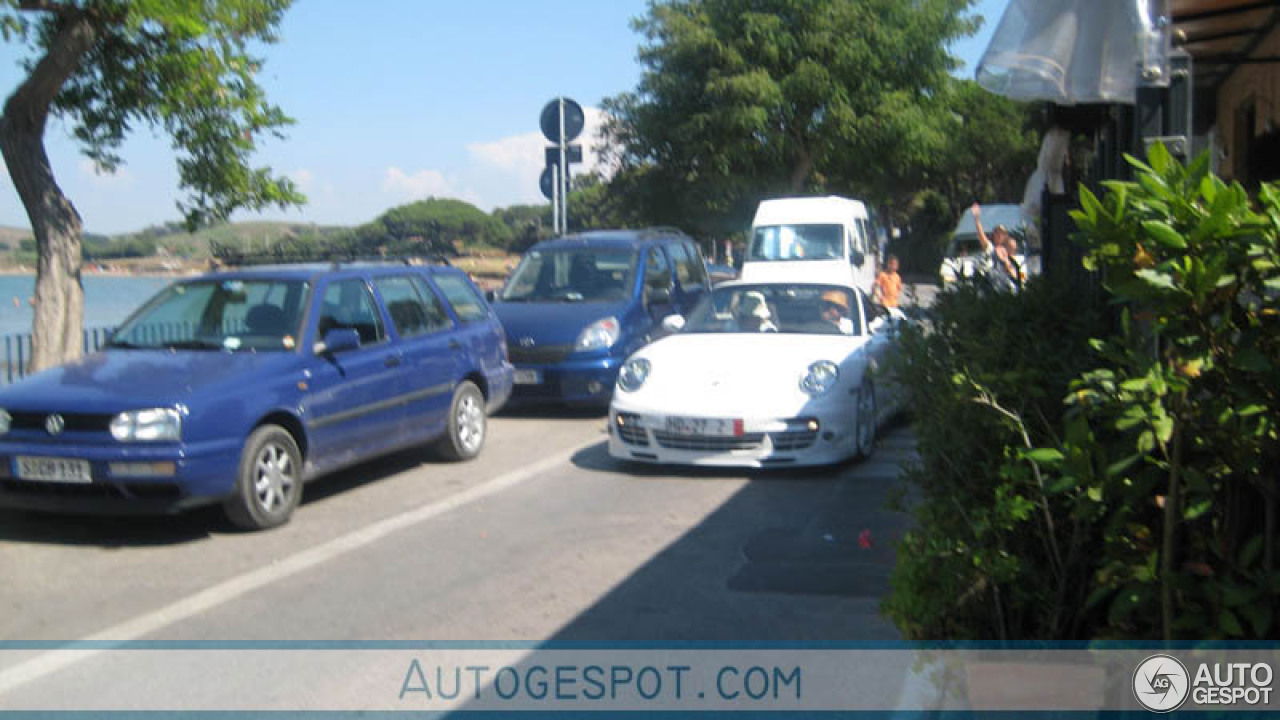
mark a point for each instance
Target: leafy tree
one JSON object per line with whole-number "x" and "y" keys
{"x": 108, "y": 65}
{"x": 742, "y": 98}
{"x": 431, "y": 226}
{"x": 528, "y": 224}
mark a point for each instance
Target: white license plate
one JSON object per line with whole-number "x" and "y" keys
{"x": 528, "y": 377}
{"x": 702, "y": 426}
{"x": 53, "y": 469}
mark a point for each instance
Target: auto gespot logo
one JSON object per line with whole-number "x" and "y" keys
{"x": 1162, "y": 684}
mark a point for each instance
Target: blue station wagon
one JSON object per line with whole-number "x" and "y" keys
{"x": 239, "y": 386}
{"x": 576, "y": 307}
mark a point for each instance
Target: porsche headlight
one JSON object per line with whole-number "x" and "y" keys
{"x": 156, "y": 424}
{"x": 820, "y": 378}
{"x": 633, "y": 374}
{"x": 599, "y": 335}
{"x": 5, "y": 419}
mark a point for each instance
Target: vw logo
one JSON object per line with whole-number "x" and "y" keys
{"x": 54, "y": 424}
{"x": 527, "y": 341}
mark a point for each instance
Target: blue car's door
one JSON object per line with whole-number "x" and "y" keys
{"x": 354, "y": 402}
{"x": 428, "y": 340}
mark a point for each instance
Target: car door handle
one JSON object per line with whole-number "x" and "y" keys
{"x": 392, "y": 361}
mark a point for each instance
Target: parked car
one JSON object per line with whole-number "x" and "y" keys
{"x": 577, "y": 306}
{"x": 237, "y": 387}
{"x": 964, "y": 248}
{"x": 759, "y": 375}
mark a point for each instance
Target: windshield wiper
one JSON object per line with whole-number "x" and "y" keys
{"x": 125, "y": 345}
{"x": 193, "y": 345}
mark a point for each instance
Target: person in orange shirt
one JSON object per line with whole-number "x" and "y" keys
{"x": 888, "y": 284}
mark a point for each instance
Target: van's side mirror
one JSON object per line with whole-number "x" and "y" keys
{"x": 857, "y": 258}
{"x": 673, "y": 323}
{"x": 659, "y": 295}
{"x": 490, "y": 295}
{"x": 338, "y": 340}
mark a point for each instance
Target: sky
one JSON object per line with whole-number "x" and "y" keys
{"x": 395, "y": 101}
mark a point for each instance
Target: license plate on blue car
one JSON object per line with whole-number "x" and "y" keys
{"x": 48, "y": 469}
{"x": 528, "y": 377}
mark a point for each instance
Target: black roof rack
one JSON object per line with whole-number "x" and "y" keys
{"x": 663, "y": 230}
{"x": 233, "y": 257}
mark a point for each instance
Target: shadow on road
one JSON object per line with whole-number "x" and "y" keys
{"x": 795, "y": 555}
{"x": 196, "y": 524}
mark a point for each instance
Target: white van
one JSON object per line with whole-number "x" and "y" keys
{"x": 811, "y": 239}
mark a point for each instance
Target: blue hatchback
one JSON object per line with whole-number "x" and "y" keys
{"x": 576, "y": 308}
{"x": 237, "y": 387}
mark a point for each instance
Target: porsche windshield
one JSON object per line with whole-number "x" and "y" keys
{"x": 777, "y": 308}
{"x": 218, "y": 315}
{"x": 572, "y": 275}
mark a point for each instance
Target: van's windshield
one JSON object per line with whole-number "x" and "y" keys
{"x": 572, "y": 275}
{"x": 796, "y": 242}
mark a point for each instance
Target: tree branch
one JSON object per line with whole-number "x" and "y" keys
{"x": 27, "y": 109}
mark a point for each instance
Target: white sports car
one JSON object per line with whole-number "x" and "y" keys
{"x": 759, "y": 375}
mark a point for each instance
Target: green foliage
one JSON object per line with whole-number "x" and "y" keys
{"x": 1144, "y": 507}
{"x": 435, "y": 226}
{"x": 741, "y": 99}
{"x": 921, "y": 247}
{"x": 186, "y": 67}
{"x": 989, "y": 376}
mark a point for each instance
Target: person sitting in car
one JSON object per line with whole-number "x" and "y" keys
{"x": 751, "y": 313}
{"x": 834, "y": 311}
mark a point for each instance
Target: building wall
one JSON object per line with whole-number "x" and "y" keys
{"x": 1250, "y": 96}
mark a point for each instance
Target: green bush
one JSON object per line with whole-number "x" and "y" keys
{"x": 1113, "y": 487}
{"x": 987, "y": 378}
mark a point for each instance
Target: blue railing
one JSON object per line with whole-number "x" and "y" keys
{"x": 17, "y": 351}
{"x": 17, "y": 348}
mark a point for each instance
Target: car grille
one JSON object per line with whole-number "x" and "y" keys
{"x": 713, "y": 443}
{"x": 538, "y": 354}
{"x": 75, "y": 422}
{"x": 633, "y": 436}
{"x": 793, "y": 439}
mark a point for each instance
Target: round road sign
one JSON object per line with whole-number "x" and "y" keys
{"x": 574, "y": 120}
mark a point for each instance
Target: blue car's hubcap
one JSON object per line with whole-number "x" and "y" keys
{"x": 274, "y": 477}
{"x": 470, "y": 424}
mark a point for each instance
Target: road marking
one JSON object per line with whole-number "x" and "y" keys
{"x": 54, "y": 660}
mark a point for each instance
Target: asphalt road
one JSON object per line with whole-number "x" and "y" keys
{"x": 543, "y": 537}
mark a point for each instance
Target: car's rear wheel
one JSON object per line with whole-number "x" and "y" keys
{"x": 269, "y": 485}
{"x": 866, "y": 420}
{"x": 467, "y": 424}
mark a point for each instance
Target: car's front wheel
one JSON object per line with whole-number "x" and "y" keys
{"x": 269, "y": 484}
{"x": 467, "y": 424}
{"x": 866, "y": 419}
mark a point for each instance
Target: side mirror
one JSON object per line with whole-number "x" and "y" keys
{"x": 659, "y": 295}
{"x": 490, "y": 295}
{"x": 673, "y": 323}
{"x": 857, "y": 258}
{"x": 338, "y": 340}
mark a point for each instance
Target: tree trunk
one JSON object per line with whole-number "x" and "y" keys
{"x": 800, "y": 171}
{"x": 59, "y": 312}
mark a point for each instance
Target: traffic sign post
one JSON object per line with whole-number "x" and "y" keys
{"x": 562, "y": 120}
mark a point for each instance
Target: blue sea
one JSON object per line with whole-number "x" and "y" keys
{"x": 108, "y": 299}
